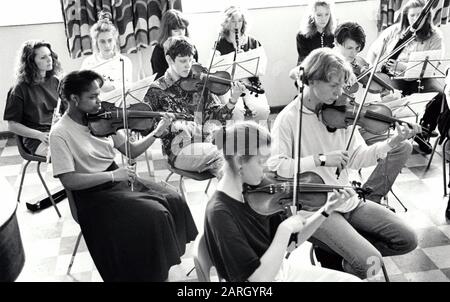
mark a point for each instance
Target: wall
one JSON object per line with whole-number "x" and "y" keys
{"x": 274, "y": 27}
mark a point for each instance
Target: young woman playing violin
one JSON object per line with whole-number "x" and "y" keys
{"x": 360, "y": 232}
{"x": 131, "y": 235}
{"x": 34, "y": 96}
{"x": 188, "y": 144}
{"x": 245, "y": 245}
{"x": 350, "y": 40}
{"x": 234, "y": 37}
{"x": 317, "y": 30}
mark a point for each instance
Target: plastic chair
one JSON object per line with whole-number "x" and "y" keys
{"x": 444, "y": 161}
{"x": 73, "y": 211}
{"x": 202, "y": 260}
{"x": 189, "y": 174}
{"x": 39, "y": 159}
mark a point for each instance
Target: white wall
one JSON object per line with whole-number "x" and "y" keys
{"x": 274, "y": 27}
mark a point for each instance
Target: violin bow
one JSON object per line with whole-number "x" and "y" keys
{"x": 125, "y": 121}
{"x": 358, "y": 113}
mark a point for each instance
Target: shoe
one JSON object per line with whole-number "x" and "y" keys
{"x": 434, "y": 134}
{"x": 329, "y": 259}
{"x": 424, "y": 146}
{"x": 447, "y": 211}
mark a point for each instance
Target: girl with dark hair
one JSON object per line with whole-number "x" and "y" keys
{"x": 32, "y": 100}
{"x": 245, "y": 245}
{"x": 318, "y": 29}
{"x": 106, "y": 57}
{"x": 131, "y": 235}
{"x": 173, "y": 23}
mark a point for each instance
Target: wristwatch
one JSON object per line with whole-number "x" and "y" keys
{"x": 324, "y": 213}
{"x": 322, "y": 159}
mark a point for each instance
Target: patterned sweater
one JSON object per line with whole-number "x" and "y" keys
{"x": 166, "y": 95}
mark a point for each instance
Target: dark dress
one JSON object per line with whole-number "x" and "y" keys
{"x": 32, "y": 105}
{"x": 159, "y": 63}
{"x": 306, "y": 44}
{"x": 134, "y": 236}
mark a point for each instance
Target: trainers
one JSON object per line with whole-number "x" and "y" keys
{"x": 424, "y": 146}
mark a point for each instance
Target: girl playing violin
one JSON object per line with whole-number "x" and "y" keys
{"x": 131, "y": 235}
{"x": 317, "y": 30}
{"x": 32, "y": 100}
{"x": 247, "y": 246}
{"x": 106, "y": 57}
{"x": 234, "y": 37}
{"x": 360, "y": 232}
{"x": 173, "y": 24}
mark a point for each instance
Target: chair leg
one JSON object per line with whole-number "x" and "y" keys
{"x": 150, "y": 172}
{"x": 399, "y": 201}
{"x": 207, "y": 187}
{"x": 47, "y": 190}
{"x": 181, "y": 188}
{"x": 311, "y": 255}
{"x": 168, "y": 177}
{"x": 21, "y": 180}
{"x": 432, "y": 154}
{"x": 74, "y": 252}
{"x": 444, "y": 167}
{"x": 386, "y": 276}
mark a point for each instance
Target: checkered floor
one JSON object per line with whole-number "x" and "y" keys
{"x": 49, "y": 241}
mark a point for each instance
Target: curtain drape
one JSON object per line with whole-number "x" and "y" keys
{"x": 136, "y": 20}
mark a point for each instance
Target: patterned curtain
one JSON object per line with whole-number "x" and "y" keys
{"x": 136, "y": 20}
{"x": 389, "y": 12}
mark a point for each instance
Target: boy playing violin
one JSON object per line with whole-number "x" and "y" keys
{"x": 186, "y": 144}
{"x": 360, "y": 232}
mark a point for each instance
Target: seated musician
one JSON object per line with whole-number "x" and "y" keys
{"x": 245, "y": 245}
{"x": 350, "y": 40}
{"x": 34, "y": 96}
{"x": 235, "y": 36}
{"x": 186, "y": 144}
{"x": 317, "y": 30}
{"x": 131, "y": 235}
{"x": 428, "y": 37}
{"x": 357, "y": 231}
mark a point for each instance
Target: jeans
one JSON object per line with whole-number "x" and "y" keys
{"x": 364, "y": 235}
{"x": 387, "y": 169}
{"x": 200, "y": 157}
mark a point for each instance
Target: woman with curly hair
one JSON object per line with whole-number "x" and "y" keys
{"x": 34, "y": 96}
{"x": 317, "y": 30}
{"x": 106, "y": 57}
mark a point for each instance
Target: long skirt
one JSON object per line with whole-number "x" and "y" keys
{"x": 134, "y": 236}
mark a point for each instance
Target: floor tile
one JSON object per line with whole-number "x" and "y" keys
{"x": 415, "y": 261}
{"x": 440, "y": 255}
{"x": 427, "y": 276}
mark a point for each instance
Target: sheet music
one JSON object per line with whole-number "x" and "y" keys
{"x": 249, "y": 63}
{"x": 135, "y": 92}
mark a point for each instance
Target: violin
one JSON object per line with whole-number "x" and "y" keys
{"x": 274, "y": 193}
{"x": 374, "y": 118}
{"x": 218, "y": 82}
{"x": 140, "y": 118}
{"x": 381, "y": 82}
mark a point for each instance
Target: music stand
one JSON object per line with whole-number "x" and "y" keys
{"x": 423, "y": 65}
{"x": 135, "y": 93}
{"x": 248, "y": 64}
